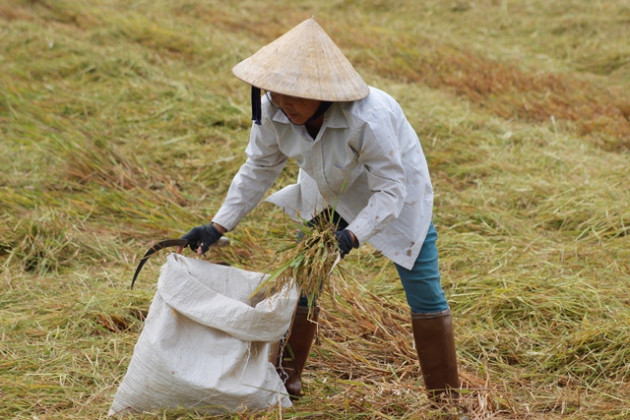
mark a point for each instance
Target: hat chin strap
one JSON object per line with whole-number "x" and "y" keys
{"x": 256, "y": 105}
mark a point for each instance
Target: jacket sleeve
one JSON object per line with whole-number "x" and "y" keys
{"x": 380, "y": 155}
{"x": 264, "y": 163}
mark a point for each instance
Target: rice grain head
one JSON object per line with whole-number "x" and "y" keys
{"x": 307, "y": 262}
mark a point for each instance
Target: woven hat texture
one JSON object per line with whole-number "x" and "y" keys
{"x": 305, "y": 63}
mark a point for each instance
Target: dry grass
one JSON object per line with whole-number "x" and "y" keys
{"x": 600, "y": 113}
{"x": 121, "y": 125}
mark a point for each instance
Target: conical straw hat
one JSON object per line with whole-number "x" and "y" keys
{"x": 305, "y": 63}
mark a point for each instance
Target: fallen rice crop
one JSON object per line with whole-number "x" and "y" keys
{"x": 121, "y": 125}
{"x": 307, "y": 262}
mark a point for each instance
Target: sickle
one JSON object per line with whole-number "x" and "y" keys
{"x": 155, "y": 248}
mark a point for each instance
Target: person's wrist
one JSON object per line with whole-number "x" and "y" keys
{"x": 218, "y": 227}
{"x": 355, "y": 241}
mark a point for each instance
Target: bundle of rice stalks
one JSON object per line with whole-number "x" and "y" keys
{"x": 307, "y": 262}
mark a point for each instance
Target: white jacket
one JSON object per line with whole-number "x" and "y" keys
{"x": 366, "y": 162}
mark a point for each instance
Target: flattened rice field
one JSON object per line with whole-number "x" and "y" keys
{"x": 121, "y": 124}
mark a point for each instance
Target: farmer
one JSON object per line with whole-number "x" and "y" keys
{"x": 358, "y": 155}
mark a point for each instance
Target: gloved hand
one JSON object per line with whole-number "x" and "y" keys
{"x": 345, "y": 240}
{"x": 202, "y": 236}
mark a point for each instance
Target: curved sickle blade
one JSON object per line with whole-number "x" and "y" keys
{"x": 155, "y": 248}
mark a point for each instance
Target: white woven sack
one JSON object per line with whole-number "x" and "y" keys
{"x": 205, "y": 343}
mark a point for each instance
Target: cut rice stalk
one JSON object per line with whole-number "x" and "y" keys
{"x": 308, "y": 262}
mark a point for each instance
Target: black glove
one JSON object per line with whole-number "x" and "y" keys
{"x": 345, "y": 242}
{"x": 202, "y": 236}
